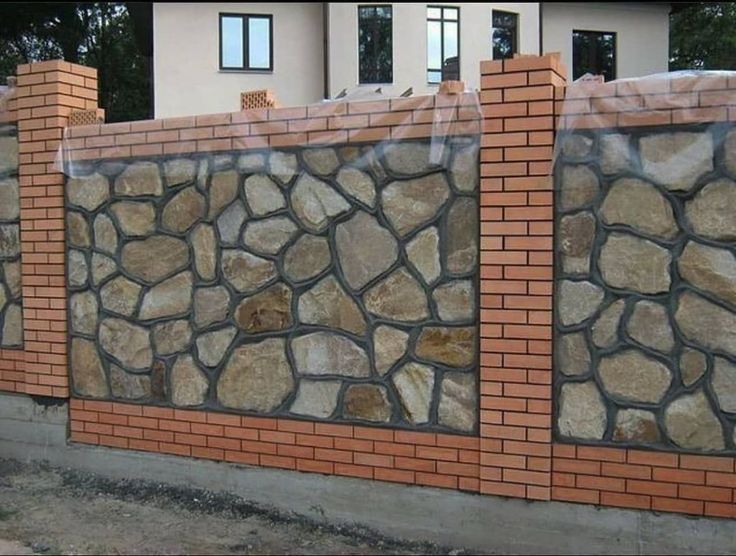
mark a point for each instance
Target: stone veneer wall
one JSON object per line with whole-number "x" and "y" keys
{"x": 11, "y": 317}
{"x": 328, "y": 283}
{"x": 646, "y": 287}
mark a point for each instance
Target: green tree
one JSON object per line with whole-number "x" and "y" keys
{"x": 703, "y": 36}
{"x": 96, "y": 34}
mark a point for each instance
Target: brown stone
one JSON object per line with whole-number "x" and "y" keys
{"x": 246, "y": 272}
{"x": 79, "y": 235}
{"x": 692, "y": 365}
{"x": 573, "y": 355}
{"x": 179, "y": 171}
{"x": 389, "y": 345}
{"x": 424, "y": 254}
{"x": 579, "y": 187}
{"x": 577, "y": 301}
{"x": 576, "y": 146}
{"x": 270, "y": 235}
{"x": 263, "y": 195}
{"x": 154, "y": 258}
{"x": 455, "y": 300}
{"x": 159, "y": 389}
{"x": 710, "y": 269}
{"x": 367, "y": 402}
{"x": 635, "y": 377}
{"x": 222, "y": 192}
{"x": 605, "y": 328}
{"x": 129, "y": 386}
{"x": 265, "y": 311}
{"x": 88, "y": 374}
{"x": 106, "y": 236}
{"x": 692, "y": 425}
{"x": 358, "y": 185}
{"x": 629, "y": 262}
{"x": 315, "y": 203}
{"x": 88, "y": 192}
{"x": 455, "y": 347}
{"x": 458, "y": 406}
{"x": 649, "y": 325}
{"x": 205, "y": 248}
{"x": 306, "y": 258}
{"x": 135, "y": 218}
{"x": 414, "y": 385}
{"x": 210, "y": 305}
{"x": 321, "y": 161}
{"x": 710, "y": 213}
{"x": 399, "y": 297}
{"x": 140, "y": 178}
{"x": 126, "y": 342}
{"x": 636, "y": 425}
{"x": 676, "y": 160}
{"x": 640, "y": 205}
{"x": 327, "y": 304}
{"x": 365, "y": 249}
{"x": 169, "y": 298}
{"x": 173, "y": 336}
{"x": 462, "y": 236}
{"x": 576, "y": 234}
{"x": 188, "y": 383}
{"x": 83, "y": 312}
{"x": 183, "y": 211}
{"x": 409, "y": 204}
{"x": 582, "y": 413}
{"x": 706, "y": 323}
{"x": 211, "y": 346}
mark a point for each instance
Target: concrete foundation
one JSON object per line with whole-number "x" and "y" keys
{"x": 29, "y": 431}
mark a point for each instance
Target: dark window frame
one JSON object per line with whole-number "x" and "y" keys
{"x": 614, "y": 61}
{"x": 514, "y": 35}
{"x": 361, "y": 81}
{"x": 246, "y": 30}
{"x": 442, "y": 21}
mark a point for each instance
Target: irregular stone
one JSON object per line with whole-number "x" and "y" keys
{"x": 706, "y": 323}
{"x": 605, "y": 329}
{"x": 230, "y": 222}
{"x": 576, "y": 146}
{"x": 204, "y": 246}
{"x": 307, "y": 257}
{"x": 120, "y": 296}
{"x": 203, "y": 173}
{"x": 729, "y": 152}
{"x": 257, "y": 377}
{"x": 171, "y": 337}
{"x": 266, "y": 311}
{"x": 169, "y": 298}
{"x": 210, "y": 305}
{"x": 316, "y": 398}
{"x": 368, "y": 402}
{"x": 692, "y": 365}
{"x": 399, "y": 297}
{"x": 263, "y": 195}
{"x": 155, "y": 258}
{"x": 110, "y": 168}
{"x": 126, "y": 342}
{"x": 106, "y": 236}
{"x": 710, "y": 212}
{"x": 315, "y": 203}
{"x": 423, "y": 252}
{"x": 321, "y": 161}
{"x": 283, "y": 166}
{"x": 576, "y": 234}
{"x": 458, "y": 401}
{"x": 3, "y": 297}
{"x": 629, "y": 262}
{"x": 246, "y": 272}
{"x": 636, "y": 203}
{"x": 9, "y": 240}
{"x": 135, "y": 218}
{"x": 78, "y": 230}
{"x": 414, "y": 384}
{"x": 724, "y": 384}
{"x": 83, "y": 309}
{"x": 411, "y": 158}
{"x": 183, "y": 211}
{"x": 13, "y": 327}
{"x": 615, "y": 155}
{"x": 710, "y": 269}
{"x": 691, "y": 424}
{"x": 358, "y": 185}
{"x": 582, "y": 413}
{"x": 102, "y": 267}
{"x": 649, "y": 325}
{"x": 159, "y": 389}
{"x": 635, "y": 377}
{"x": 179, "y": 171}
{"x": 77, "y": 269}
{"x": 462, "y": 236}
{"x": 249, "y": 163}
{"x": 364, "y": 158}
{"x": 88, "y": 192}
{"x": 129, "y": 386}
{"x": 364, "y": 248}
{"x": 325, "y": 353}
{"x": 409, "y": 204}
{"x": 327, "y": 304}
{"x": 8, "y": 154}
{"x": 454, "y": 347}
{"x": 389, "y": 345}
{"x": 188, "y": 383}
{"x": 455, "y": 300}
{"x": 222, "y": 161}
{"x": 573, "y": 355}
{"x": 9, "y": 199}
{"x": 88, "y": 374}
{"x": 270, "y": 235}
{"x": 211, "y": 346}
{"x": 579, "y": 187}
{"x": 676, "y": 160}
{"x": 636, "y": 425}
{"x": 464, "y": 169}
{"x": 577, "y": 301}
{"x": 11, "y": 272}
{"x": 223, "y": 190}
{"x": 140, "y": 178}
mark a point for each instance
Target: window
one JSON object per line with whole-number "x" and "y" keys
{"x": 375, "y": 47}
{"x": 246, "y": 42}
{"x": 505, "y": 25}
{"x": 443, "y": 44}
{"x": 594, "y": 52}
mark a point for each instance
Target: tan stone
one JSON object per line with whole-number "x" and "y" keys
{"x": 710, "y": 212}
{"x": 179, "y": 171}
{"x": 263, "y": 195}
{"x": 710, "y": 269}
{"x": 365, "y": 249}
{"x": 412, "y": 158}
{"x": 307, "y": 257}
{"x": 458, "y": 406}
{"x": 325, "y": 353}
{"x": 582, "y": 413}
{"x": 424, "y": 254}
{"x": 579, "y": 187}
{"x": 88, "y": 374}
{"x": 692, "y": 425}
{"x": 389, "y": 345}
{"x": 316, "y": 398}
{"x": 102, "y": 267}
{"x": 637, "y": 426}
{"x": 183, "y": 210}
{"x": 706, "y": 323}
{"x": 172, "y": 336}
{"x": 455, "y": 301}
{"x": 629, "y": 262}
{"x": 573, "y": 355}
{"x": 636, "y": 203}
{"x": 462, "y": 236}
{"x": 188, "y": 383}
{"x": 246, "y": 272}
{"x": 724, "y": 384}
{"x": 455, "y": 347}
{"x": 676, "y": 160}
{"x": 211, "y": 346}
{"x": 79, "y": 235}
{"x": 605, "y": 329}
{"x": 205, "y": 248}
{"x": 315, "y": 203}
{"x": 106, "y": 236}
{"x": 9, "y": 199}
{"x": 283, "y": 166}
{"x": 83, "y": 312}
{"x": 322, "y": 161}
{"x": 140, "y": 178}
{"x": 577, "y": 301}
{"x": 77, "y": 269}
{"x": 464, "y": 169}
{"x": 169, "y": 298}
{"x": 649, "y": 325}
{"x": 576, "y": 146}
{"x": 327, "y": 304}
{"x": 692, "y": 365}
{"x": 230, "y": 222}
{"x": 635, "y": 377}
{"x": 129, "y": 386}
{"x": 615, "y": 155}
{"x": 576, "y": 234}
{"x": 409, "y": 204}
{"x": 135, "y": 218}
{"x": 126, "y": 342}
{"x": 155, "y": 258}
{"x": 12, "y": 334}
{"x": 367, "y": 402}
{"x": 222, "y": 192}
{"x": 414, "y": 384}
{"x": 88, "y": 192}
{"x": 210, "y": 305}
{"x": 358, "y": 185}
{"x": 12, "y": 276}
{"x": 266, "y": 311}
{"x": 399, "y": 297}
{"x": 269, "y": 236}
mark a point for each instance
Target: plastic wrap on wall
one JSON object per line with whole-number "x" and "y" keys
{"x": 317, "y": 262}
{"x": 645, "y": 185}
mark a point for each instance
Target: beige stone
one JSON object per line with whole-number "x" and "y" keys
{"x": 409, "y": 204}
{"x": 170, "y": 298}
{"x": 414, "y": 384}
{"x": 412, "y": 158}
{"x": 188, "y": 383}
{"x": 210, "y": 305}
{"x": 637, "y": 204}
{"x": 246, "y": 272}
{"x": 582, "y": 413}
{"x": 263, "y": 195}
{"x": 424, "y": 254}
{"x": 649, "y": 325}
{"x": 458, "y": 405}
{"x": 710, "y": 213}
{"x": 77, "y": 269}
{"x": 706, "y": 323}
{"x": 173, "y": 336}
{"x": 367, "y": 402}
{"x": 577, "y": 301}
{"x": 315, "y": 203}
{"x": 230, "y": 222}
{"x": 389, "y": 345}
{"x": 87, "y": 372}
{"x": 126, "y": 342}
{"x": 269, "y": 236}
{"x": 605, "y": 329}
{"x": 710, "y": 269}
{"x": 316, "y": 398}
{"x": 455, "y": 301}
{"x": 12, "y": 276}
{"x": 129, "y": 386}
{"x": 676, "y": 160}
{"x": 211, "y": 346}
{"x": 179, "y": 171}
{"x": 89, "y": 192}
{"x": 83, "y": 312}
{"x": 283, "y": 166}
{"x": 139, "y": 178}
{"x": 327, "y": 304}
{"x": 325, "y": 353}
{"x": 724, "y": 384}
{"x": 106, "y": 236}
{"x": 579, "y": 187}
{"x": 183, "y": 211}
{"x": 462, "y": 236}
{"x": 358, "y": 185}
{"x": 12, "y": 335}
{"x": 576, "y": 146}
{"x": 576, "y": 235}
{"x": 464, "y": 169}
{"x": 692, "y": 425}
{"x": 635, "y": 377}
{"x": 573, "y": 355}
{"x": 205, "y": 249}
{"x": 307, "y": 257}
{"x": 155, "y": 258}
{"x": 455, "y": 347}
{"x": 266, "y": 311}
{"x": 615, "y": 155}
{"x": 102, "y": 267}
{"x": 692, "y": 365}
{"x": 9, "y": 199}
{"x": 135, "y": 218}
{"x": 79, "y": 235}
{"x": 222, "y": 192}
{"x": 637, "y": 426}
{"x": 365, "y": 249}
{"x": 629, "y": 262}
{"x": 399, "y": 297}
{"x": 322, "y": 161}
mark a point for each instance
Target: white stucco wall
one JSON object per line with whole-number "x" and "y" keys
{"x": 410, "y": 42}
{"x": 187, "y": 78}
{"x": 642, "y": 32}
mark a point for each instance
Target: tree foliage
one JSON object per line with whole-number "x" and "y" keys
{"x": 95, "y": 34}
{"x": 703, "y": 37}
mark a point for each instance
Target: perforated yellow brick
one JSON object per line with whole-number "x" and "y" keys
{"x": 87, "y": 117}
{"x": 262, "y": 98}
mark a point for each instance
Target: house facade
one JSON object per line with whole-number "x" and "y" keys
{"x": 205, "y": 54}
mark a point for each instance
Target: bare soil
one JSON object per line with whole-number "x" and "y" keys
{"x": 60, "y": 511}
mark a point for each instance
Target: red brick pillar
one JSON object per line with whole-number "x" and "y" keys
{"x": 47, "y": 93}
{"x": 517, "y": 98}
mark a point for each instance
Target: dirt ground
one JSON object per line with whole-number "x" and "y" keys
{"x": 58, "y": 511}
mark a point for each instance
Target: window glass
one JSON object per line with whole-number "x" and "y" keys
{"x": 232, "y": 42}
{"x": 443, "y": 44}
{"x": 259, "y": 43}
{"x": 505, "y": 25}
{"x": 245, "y": 42}
{"x": 375, "y": 44}
{"x": 434, "y": 44}
{"x": 594, "y": 52}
